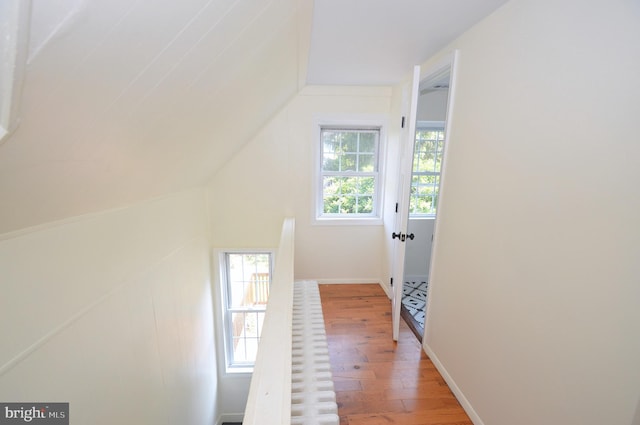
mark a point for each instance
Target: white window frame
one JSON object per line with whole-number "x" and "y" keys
{"x": 378, "y": 123}
{"x": 428, "y": 125}
{"x": 226, "y": 332}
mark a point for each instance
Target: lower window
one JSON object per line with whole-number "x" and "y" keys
{"x": 246, "y": 281}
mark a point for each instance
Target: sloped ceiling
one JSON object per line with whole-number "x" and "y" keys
{"x": 125, "y": 100}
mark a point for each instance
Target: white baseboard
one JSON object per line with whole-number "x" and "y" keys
{"x": 348, "y": 281}
{"x": 453, "y": 386}
{"x": 230, "y": 417}
{"x": 387, "y": 290}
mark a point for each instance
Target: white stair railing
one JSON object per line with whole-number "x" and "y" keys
{"x": 269, "y": 400}
{"x": 292, "y": 382}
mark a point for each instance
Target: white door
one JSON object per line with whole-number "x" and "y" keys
{"x": 402, "y": 210}
{"x": 445, "y": 67}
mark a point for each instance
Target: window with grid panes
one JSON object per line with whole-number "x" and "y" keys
{"x": 425, "y": 177}
{"x": 349, "y": 172}
{"x": 247, "y": 278}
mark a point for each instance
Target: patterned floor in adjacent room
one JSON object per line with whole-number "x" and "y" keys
{"x": 414, "y": 299}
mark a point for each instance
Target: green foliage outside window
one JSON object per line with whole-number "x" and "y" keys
{"x": 427, "y": 164}
{"x": 349, "y": 171}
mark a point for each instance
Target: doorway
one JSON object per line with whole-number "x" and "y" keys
{"x": 428, "y": 151}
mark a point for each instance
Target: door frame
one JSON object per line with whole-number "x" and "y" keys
{"x": 448, "y": 62}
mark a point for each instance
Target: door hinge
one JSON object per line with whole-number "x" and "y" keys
{"x": 402, "y": 122}
{"x": 391, "y": 281}
{"x": 396, "y": 207}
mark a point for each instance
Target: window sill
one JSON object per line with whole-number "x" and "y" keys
{"x": 239, "y": 371}
{"x": 330, "y": 221}
{"x": 422, "y": 217}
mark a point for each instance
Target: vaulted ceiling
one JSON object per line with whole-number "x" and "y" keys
{"x": 125, "y": 100}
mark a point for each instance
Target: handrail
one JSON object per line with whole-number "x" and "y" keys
{"x": 269, "y": 400}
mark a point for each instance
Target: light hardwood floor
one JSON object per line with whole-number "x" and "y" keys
{"x": 377, "y": 380}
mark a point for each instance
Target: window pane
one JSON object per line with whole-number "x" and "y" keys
{"x": 422, "y": 204}
{"x": 348, "y": 185}
{"x": 366, "y": 185}
{"x": 249, "y": 279}
{"x": 354, "y": 195}
{"x": 366, "y": 163}
{"x": 238, "y": 320}
{"x": 330, "y": 185}
{"x": 438, "y": 162}
{"x": 349, "y": 142}
{"x": 367, "y": 142}
{"x": 331, "y": 205}
{"x": 429, "y": 146}
{"x": 331, "y": 138}
{"x": 365, "y": 205}
{"x": 348, "y": 205}
{"x": 330, "y": 162}
{"x": 425, "y": 180}
{"x": 348, "y": 162}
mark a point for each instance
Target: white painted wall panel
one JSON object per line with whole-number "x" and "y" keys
{"x": 418, "y": 253}
{"x": 126, "y": 101}
{"x": 432, "y": 106}
{"x": 113, "y": 313}
{"x": 272, "y": 178}
{"x": 534, "y": 311}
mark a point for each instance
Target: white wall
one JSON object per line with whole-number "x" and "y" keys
{"x": 418, "y": 251}
{"x": 272, "y": 178}
{"x": 432, "y": 106}
{"x": 534, "y": 310}
{"x": 112, "y": 312}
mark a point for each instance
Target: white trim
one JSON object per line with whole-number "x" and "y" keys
{"x": 358, "y": 281}
{"x": 430, "y": 124}
{"x": 452, "y": 61}
{"x": 269, "y": 398}
{"x": 437, "y": 70}
{"x": 464, "y": 402}
{"x": 422, "y": 217}
{"x": 347, "y": 121}
{"x": 387, "y": 290}
{"x": 360, "y": 221}
{"x": 229, "y": 417}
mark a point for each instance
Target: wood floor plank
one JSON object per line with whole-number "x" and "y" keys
{"x": 379, "y": 381}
